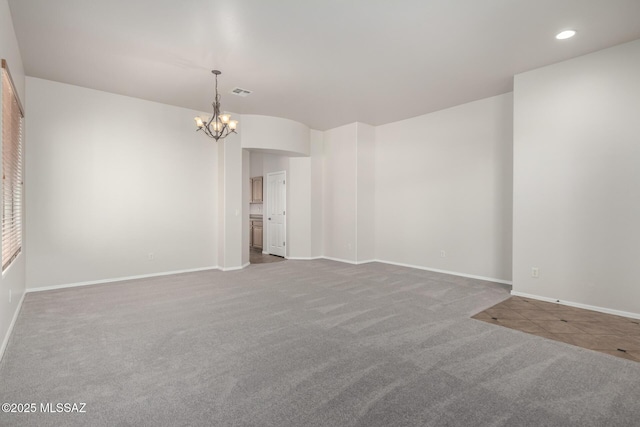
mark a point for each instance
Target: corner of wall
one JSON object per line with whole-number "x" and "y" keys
{"x": 317, "y": 192}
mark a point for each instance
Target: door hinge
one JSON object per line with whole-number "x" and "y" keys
{"x": 284, "y": 182}
{"x": 284, "y": 243}
{"x": 284, "y": 212}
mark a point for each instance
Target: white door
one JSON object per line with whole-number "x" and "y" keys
{"x": 276, "y": 215}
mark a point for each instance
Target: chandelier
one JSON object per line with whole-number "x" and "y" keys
{"x": 219, "y": 126}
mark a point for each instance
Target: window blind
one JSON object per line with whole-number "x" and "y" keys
{"x": 12, "y": 123}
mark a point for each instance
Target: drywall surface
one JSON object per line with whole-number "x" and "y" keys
{"x": 246, "y": 198}
{"x": 577, "y": 180}
{"x": 317, "y": 193}
{"x": 256, "y": 164}
{"x": 443, "y": 189}
{"x": 234, "y": 208}
{"x": 274, "y": 134}
{"x": 366, "y": 192}
{"x": 116, "y": 187}
{"x": 340, "y": 192}
{"x": 299, "y": 214}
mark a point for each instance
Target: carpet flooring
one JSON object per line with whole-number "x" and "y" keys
{"x": 301, "y": 343}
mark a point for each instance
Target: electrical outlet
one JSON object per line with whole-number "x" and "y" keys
{"x": 535, "y": 272}
{"x": 443, "y": 253}
{"x": 151, "y": 256}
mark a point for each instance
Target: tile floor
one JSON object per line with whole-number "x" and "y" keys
{"x": 606, "y": 333}
{"x": 257, "y": 257}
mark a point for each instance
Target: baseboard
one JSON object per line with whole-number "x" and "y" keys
{"x": 302, "y": 258}
{"x": 453, "y": 273}
{"x": 168, "y": 273}
{"x": 578, "y": 305}
{"x": 346, "y": 261}
{"x": 118, "y": 279}
{"x": 5, "y": 340}
{"x": 418, "y": 267}
{"x": 235, "y": 268}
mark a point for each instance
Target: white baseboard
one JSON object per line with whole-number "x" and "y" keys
{"x": 346, "y": 261}
{"x": 419, "y": 267}
{"x": 235, "y": 268}
{"x": 578, "y": 305}
{"x": 118, "y": 279}
{"x": 453, "y": 273}
{"x": 302, "y": 258}
{"x": 167, "y": 273}
{"x": 5, "y": 340}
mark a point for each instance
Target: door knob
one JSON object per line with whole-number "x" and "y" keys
{"x": 269, "y": 219}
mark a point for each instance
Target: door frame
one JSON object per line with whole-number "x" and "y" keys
{"x": 265, "y": 237}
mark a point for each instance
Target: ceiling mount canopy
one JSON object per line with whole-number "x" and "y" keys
{"x": 218, "y": 126}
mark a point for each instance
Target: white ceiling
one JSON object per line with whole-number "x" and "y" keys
{"x": 321, "y": 62}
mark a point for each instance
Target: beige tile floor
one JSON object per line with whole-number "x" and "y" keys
{"x": 257, "y": 257}
{"x": 606, "y": 333}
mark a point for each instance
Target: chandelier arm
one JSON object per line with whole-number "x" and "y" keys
{"x": 214, "y": 116}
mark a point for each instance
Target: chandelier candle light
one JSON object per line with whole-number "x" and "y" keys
{"x": 219, "y": 126}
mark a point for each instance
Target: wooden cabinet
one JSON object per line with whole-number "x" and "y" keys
{"x": 255, "y": 233}
{"x": 256, "y": 189}
{"x": 255, "y": 237}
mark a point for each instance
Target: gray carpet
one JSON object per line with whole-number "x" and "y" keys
{"x": 302, "y": 343}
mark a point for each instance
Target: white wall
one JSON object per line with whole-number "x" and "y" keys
{"x": 112, "y": 179}
{"x": 219, "y": 212}
{"x": 299, "y": 198}
{"x": 340, "y": 189}
{"x": 443, "y": 182}
{"x": 235, "y": 210}
{"x": 348, "y": 192}
{"x": 246, "y": 198}
{"x": 577, "y": 180}
{"x": 365, "y": 192}
{"x": 12, "y": 282}
{"x": 256, "y": 164}
{"x": 317, "y": 194}
{"x": 274, "y": 133}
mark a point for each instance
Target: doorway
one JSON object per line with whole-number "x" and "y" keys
{"x": 276, "y": 213}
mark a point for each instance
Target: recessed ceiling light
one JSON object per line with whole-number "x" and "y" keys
{"x": 566, "y": 34}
